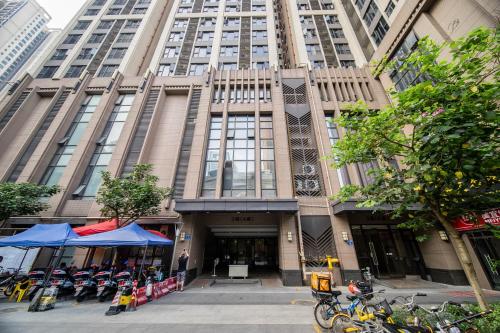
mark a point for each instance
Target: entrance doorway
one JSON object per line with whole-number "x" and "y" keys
{"x": 487, "y": 248}
{"x": 388, "y": 251}
{"x": 260, "y": 254}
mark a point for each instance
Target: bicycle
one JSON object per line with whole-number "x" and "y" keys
{"x": 328, "y": 307}
{"x": 9, "y": 280}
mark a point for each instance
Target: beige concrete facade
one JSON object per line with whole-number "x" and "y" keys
{"x": 171, "y": 118}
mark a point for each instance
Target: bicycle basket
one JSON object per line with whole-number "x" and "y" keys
{"x": 384, "y": 307}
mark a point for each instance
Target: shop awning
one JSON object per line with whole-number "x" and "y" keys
{"x": 41, "y": 235}
{"x": 131, "y": 235}
{"x": 96, "y": 228}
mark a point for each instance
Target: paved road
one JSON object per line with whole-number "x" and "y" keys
{"x": 220, "y": 308}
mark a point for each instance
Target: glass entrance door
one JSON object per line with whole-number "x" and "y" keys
{"x": 390, "y": 253}
{"x": 488, "y": 250}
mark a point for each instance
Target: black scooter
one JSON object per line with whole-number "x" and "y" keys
{"x": 63, "y": 281}
{"x": 106, "y": 285}
{"x": 85, "y": 285}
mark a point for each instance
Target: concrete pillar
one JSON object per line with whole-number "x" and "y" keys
{"x": 289, "y": 264}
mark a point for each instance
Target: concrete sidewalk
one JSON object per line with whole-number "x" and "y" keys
{"x": 200, "y": 308}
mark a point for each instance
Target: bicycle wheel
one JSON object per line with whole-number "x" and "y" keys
{"x": 323, "y": 313}
{"x": 9, "y": 289}
{"x": 342, "y": 323}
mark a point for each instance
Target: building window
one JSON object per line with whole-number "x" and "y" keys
{"x": 306, "y": 20}
{"x": 107, "y": 70}
{"x": 202, "y": 51}
{"x": 60, "y": 54}
{"x": 197, "y": 69}
{"x": 139, "y": 11}
{"x": 228, "y": 51}
{"x": 342, "y": 48}
{"x": 347, "y": 63}
{"x": 82, "y": 25}
{"x": 259, "y": 34}
{"x": 165, "y": 70}
{"x": 259, "y": 21}
{"x": 208, "y": 22}
{"x": 310, "y": 33}
{"x": 264, "y": 93}
{"x": 74, "y": 71}
{"x": 211, "y": 9}
{"x": 67, "y": 145}
{"x": 72, "y": 39}
{"x": 232, "y": 22}
{"x": 258, "y": 8}
{"x": 176, "y": 36}
{"x": 96, "y": 38}
{"x": 333, "y": 135}
{"x": 410, "y": 76}
{"x": 99, "y": 162}
{"x": 87, "y": 53}
{"x": 259, "y": 50}
{"x": 184, "y": 10}
{"x": 267, "y": 167}
{"x": 125, "y": 38}
{"x": 133, "y": 24}
{"x": 114, "y": 11}
{"x": 228, "y": 66}
{"x": 380, "y": 30}
{"x": 230, "y": 35}
{"x": 180, "y": 23}
{"x": 47, "y": 72}
{"x": 313, "y": 49}
{"x": 390, "y": 8}
{"x": 332, "y": 19}
{"x": 91, "y": 12}
{"x": 117, "y": 53}
{"x": 318, "y": 64}
{"x": 232, "y": 8}
{"x": 371, "y": 12}
{"x": 260, "y": 65}
{"x": 212, "y": 158}
{"x": 171, "y": 52}
{"x": 239, "y": 160}
{"x": 205, "y": 36}
{"x": 105, "y": 25}
{"x": 337, "y": 33}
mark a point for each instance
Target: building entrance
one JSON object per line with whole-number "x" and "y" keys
{"x": 487, "y": 248}
{"x": 388, "y": 251}
{"x": 260, "y": 254}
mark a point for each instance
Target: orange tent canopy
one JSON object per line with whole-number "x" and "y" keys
{"x": 108, "y": 225}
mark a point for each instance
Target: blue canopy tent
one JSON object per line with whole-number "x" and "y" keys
{"x": 131, "y": 235}
{"x": 41, "y": 235}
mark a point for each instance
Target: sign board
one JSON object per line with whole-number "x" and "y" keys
{"x": 187, "y": 237}
{"x": 491, "y": 217}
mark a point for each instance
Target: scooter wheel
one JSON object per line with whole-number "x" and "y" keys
{"x": 9, "y": 290}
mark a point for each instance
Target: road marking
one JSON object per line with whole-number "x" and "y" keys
{"x": 317, "y": 328}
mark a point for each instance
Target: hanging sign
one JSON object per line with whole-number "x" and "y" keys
{"x": 491, "y": 217}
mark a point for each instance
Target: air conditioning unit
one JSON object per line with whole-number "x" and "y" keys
{"x": 311, "y": 185}
{"x": 309, "y": 169}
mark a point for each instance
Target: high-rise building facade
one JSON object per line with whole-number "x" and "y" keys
{"x": 23, "y": 31}
{"x": 232, "y": 103}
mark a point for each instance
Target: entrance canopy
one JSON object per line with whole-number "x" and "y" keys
{"x": 41, "y": 235}
{"x": 131, "y": 235}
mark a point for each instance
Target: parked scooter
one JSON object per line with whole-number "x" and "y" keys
{"x": 124, "y": 280}
{"x": 36, "y": 281}
{"x": 106, "y": 285}
{"x": 63, "y": 281}
{"x": 85, "y": 285}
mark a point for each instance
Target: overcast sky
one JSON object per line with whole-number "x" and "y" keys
{"x": 61, "y": 11}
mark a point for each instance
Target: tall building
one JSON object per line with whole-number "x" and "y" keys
{"x": 232, "y": 102}
{"x": 23, "y": 31}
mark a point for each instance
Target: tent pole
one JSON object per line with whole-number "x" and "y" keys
{"x": 142, "y": 262}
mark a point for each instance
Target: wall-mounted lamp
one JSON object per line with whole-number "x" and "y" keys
{"x": 289, "y": 236}
{"x": 345, "y": 236}
{"x": 183, "y": 236}
{"x": 443, "y": 235}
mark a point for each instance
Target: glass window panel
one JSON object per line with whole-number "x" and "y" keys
{"x": 215, "y": 134}
{"x": 229, "y": 155}
{"x": 250, "y": 154}
{"x": 114, "y": 134}
{"x": 240, "y": 143}
{"x": 104, "y": 159}
{"x": 240, "y": 155}
{"x": 55, "y": 175}
{"x": 63, "y": 160}
{"x": 77, "y": 134}
{"x": 267, "y": 154}
{"x": 86, "y": 117}
{"x": 266, "y": 143}
{"x": 213, "y": 144}
{"x": 94, "y": 182}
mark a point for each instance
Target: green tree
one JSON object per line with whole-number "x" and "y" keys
{"x": 444, "y": 133}
{"x": 18, "y": 199}
{"x": 128, "y": 198}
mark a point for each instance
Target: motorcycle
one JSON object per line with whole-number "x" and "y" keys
{"x": 124, "y": 280}
{"x": 63, "y": 281}
{"x": 85, "y": 285}
{"x": 106, "y": 285}
{"x": 36, "y": 282}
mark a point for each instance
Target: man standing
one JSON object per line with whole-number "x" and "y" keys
{"x": 181, "y": 270}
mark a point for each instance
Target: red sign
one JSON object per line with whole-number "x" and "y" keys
{"x": 491, "y": 217}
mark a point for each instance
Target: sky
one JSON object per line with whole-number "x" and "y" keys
{"x": 61, "y": 11}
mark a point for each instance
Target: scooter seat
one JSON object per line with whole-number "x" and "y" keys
{"x": 336, "y": 293}
{"x": 351, "y": 298}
